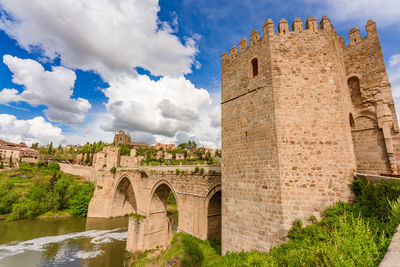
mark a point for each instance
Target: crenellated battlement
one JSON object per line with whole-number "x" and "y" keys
{"x": 311, "y": 27}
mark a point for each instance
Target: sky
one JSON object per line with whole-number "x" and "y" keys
{"x": 77, "y": 71}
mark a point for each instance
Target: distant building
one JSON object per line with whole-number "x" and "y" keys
{"x": 179, "y": 156}
{"x": 164, "y": 146}
{"x": 123, "y": 138}
{"x": 17, "y": 151}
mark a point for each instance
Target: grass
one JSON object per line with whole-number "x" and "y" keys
{"x": 55, "y": 214}
{"x": 355, "y": 234}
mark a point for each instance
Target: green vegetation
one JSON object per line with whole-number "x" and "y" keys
{"x": 41, "y": 188}
{"x": 348, "y": 235}
{"x": 113, "y": 170}
{"x": 138, "y": 217}
{"x": 192, "y": 154}
{"x": 172, "y": 208}
{"x": 125, "y": 149}
{"x": 62, "y": 154}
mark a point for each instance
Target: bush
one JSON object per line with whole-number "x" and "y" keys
{"x": 26, "y": 209}
{"x": 7, "y": 197}
{"x": 80, "y": 202}
{"x": 193, "y": 254}
{"x": 42, "y": 164}
{"x": 54, "y": 166}
{"x": 113, "y": 170}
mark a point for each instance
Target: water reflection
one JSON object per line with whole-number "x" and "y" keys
{"x": 63, "y": 242}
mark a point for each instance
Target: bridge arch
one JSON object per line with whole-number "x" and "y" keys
{"x": 214, "y": 212}
{"x": 160, "y": 221}
{"x": 124, "y": 197}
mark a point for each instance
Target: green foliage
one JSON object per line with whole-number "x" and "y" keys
{"x": 113, "y": 170}
{"x": 54, "y": 166}
{"x": 50, "y": 148}
{"x": 201, "y": 170}
{"x": 7, "y": 197}
{"x": 348, "y": 235}
{"x": 193, "y": 254}
{"x": 138, "y": 217}
{"x": 1, "y": 165}
{"x": 125, "y": 149}
{"x": 79, "y": 203}
{"x": 50, "y": 192}
{"x": 190, "y": 145}
{"x": 42, "y": 164}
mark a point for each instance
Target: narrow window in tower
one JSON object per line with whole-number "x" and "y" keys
{"x": 254, "y": 64}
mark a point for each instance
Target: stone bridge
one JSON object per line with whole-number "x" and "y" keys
{"x": 144, "y": 191}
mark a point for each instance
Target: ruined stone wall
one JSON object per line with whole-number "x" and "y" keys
{"x": 129, "y": 161}
{"x": 251, "y": 203}
{"x": 106, "y": 159}
{"x": 370, "y": 88}
{"x": 85, "y": 172}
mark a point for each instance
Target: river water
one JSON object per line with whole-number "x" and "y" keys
{"x": 63, "y": 242}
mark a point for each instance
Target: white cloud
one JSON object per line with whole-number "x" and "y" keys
{"x": 215, "y": 116}
{"x": 394, "y": 60}
{"x": 384, "y": 12}
{"x": 112, "y": 37}
{"x": 29, "y": 131}
{"x": 50, "y": 88}
{"x": 109, "y": 36}
{"x": 161, "y": 108}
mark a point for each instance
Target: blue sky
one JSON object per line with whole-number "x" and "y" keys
{"x": 73, "y": 71}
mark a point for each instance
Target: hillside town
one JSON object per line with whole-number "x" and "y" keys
{"x": 123, "y": 152}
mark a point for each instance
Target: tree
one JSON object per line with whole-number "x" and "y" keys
{"x": 1, "y": 165}
{"x": 50, "y": 149}
{"x": 35, "y": 145}
{"x": 11, "y": 163}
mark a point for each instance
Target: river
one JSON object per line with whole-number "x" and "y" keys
{"x": 63, "y": 242}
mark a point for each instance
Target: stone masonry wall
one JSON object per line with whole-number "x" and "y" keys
{"x": 316, "y": 156}
{"x": 85, "y": 172}
{"x": 365, "y": 69}
{"x": 251, "y": 203}
{"x": 146, "y": 189}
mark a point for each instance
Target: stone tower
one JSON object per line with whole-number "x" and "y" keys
{"x": 122, "y": 138}
{"x": 292, "y": 103}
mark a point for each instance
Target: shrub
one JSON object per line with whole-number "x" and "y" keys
{"x": 7, "y": 197}
{"x": 54, "y": 166}
{"x": 201, "y": 170}
{"x": 113, "y": 170}
{"x": 42, "y": 164}
{"x": 193, "y": 254}
{"x": 80, "y": 202}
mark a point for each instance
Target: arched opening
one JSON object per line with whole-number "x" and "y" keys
{"x": 124, "y": 201}
{"x": 355, "y": 92}
{"x": 214, "y": 218}
{"x": 163, "y": 216}
{"x": 254, "y": 64}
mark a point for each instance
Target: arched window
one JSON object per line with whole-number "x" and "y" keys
{"x": 254, "y": 64}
